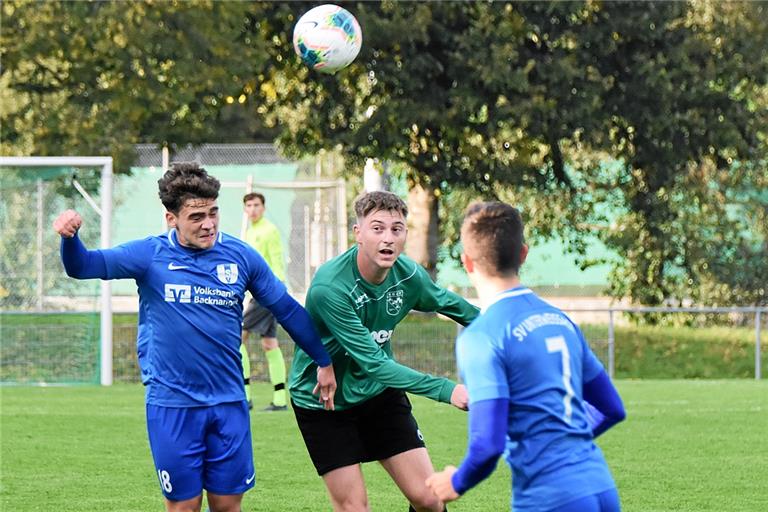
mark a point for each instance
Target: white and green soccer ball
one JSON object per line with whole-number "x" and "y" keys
{"x": 327, "y": 38}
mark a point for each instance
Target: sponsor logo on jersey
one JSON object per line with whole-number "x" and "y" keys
{"x": 188, "y": 294}
{"x": 178, "y": 293}
{"x": 394, "y": 301}
{"x": 227, "y": 273}
{"x": 173, "y": 266}
{"x": 360, "y": 298}
{"x": 382, "y": 336}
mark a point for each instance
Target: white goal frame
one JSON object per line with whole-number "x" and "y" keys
{"x": 105, "y": 163}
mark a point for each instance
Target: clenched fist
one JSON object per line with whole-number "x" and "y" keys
{"x": 67, "y": 223}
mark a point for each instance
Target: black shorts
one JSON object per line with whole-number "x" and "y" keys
{"x": 374, "y": 430}
{"x": 259, "y": 320}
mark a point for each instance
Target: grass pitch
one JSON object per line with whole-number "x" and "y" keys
{"x": 686, "y": 446}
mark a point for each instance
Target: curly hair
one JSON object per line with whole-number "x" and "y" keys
{"x": 183, "y": 181}
{"x": 379, "y": 200}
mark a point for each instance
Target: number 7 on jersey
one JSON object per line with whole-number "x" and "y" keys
{"x": 557, "y": 344}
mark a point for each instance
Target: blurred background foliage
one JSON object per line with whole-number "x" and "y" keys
{"x": 641, "y": 124}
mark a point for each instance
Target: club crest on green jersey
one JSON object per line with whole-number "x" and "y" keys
{"x": 227, "y": 273}
{"x": 394, "y": 301}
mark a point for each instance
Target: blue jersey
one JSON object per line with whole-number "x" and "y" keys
{"x": 529, "y": 352}
{"x": 190, "y": 313}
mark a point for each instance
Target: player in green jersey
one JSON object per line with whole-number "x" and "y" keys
{"x": 356, "y": 300}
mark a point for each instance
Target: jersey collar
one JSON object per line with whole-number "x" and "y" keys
{"x": 173, "y": 240}
{"x": 514, "y": 292}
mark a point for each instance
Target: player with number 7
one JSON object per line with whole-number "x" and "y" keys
{"x": 535, "y": 388}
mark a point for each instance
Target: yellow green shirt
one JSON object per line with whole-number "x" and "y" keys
{"x": 263, "y": 236}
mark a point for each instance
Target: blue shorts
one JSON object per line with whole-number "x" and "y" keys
{"x": 198, "y": 448}
{"x": 606, "y": 501}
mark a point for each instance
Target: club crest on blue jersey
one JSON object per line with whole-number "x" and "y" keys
{"x": 227, "y": 273}
{"x": 394, "y": 301}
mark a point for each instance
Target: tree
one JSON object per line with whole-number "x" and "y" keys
{"x": 539, "y": 98}
{"x": 82, "y": 78}
{"x": 405, "y": 100}
{"x": 640, "y": 123}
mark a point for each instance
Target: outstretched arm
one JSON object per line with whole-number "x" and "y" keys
{"x": 603, "y": 403}
{"x": 78, "y": 261}
{"x": 298, "y": 324}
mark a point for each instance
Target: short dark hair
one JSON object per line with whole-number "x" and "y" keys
{"x": 183, "y": 181}
{"x": 254, "y": 195}
{"x": 379, "y": 200}
{"x": 492, "y": 236}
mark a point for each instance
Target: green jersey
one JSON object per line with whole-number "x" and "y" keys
{"x": 356, "y": 319}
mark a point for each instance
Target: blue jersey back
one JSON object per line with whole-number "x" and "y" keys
{"x": 190, "y": 314}
{"x": 529, "y": 352}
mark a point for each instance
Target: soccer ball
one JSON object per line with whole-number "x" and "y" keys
{"x": 327, "y": 38}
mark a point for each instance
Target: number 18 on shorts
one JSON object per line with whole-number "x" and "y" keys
{"x": 196, "y": 448}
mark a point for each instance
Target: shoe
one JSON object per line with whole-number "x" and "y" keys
{"x": 275, "y": 408}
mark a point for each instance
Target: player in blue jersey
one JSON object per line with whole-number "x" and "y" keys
{"x": 191, "y": 283}
{"x": 529, "y": 373}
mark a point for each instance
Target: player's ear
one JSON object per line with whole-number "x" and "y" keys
{"x": 469, "y": 265}
{"x": 356, "y": 231}
{"x": 170, "y": 219}
{"x": 523, "y": 253}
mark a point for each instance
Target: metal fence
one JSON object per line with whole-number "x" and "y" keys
{"x": 670, "y": 317}
{"x": 426, "y": 342}
{"x": 209, "y": 154}
{"x": 716, "y": 343}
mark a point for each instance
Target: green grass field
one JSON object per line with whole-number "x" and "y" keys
{"x": 686, "y": 446}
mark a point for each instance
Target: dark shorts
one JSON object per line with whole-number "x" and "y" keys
{"x": 259, "y": 320}
{"x": 377, "y": 429}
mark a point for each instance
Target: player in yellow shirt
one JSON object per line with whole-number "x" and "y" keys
{"x": 263, "y": 236}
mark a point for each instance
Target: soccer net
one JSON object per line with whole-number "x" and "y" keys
{"x": 53, "y": 329}
{"x": 312, "y": 220}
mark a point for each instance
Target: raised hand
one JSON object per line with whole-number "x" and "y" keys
{"x": 67, "y": 223}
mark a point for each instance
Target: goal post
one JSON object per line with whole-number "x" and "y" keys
{"x": 104, "y": 211}
{"x": 320, "y": 228}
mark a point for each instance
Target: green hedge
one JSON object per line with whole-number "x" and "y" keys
{"x": 647, "y": 352}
